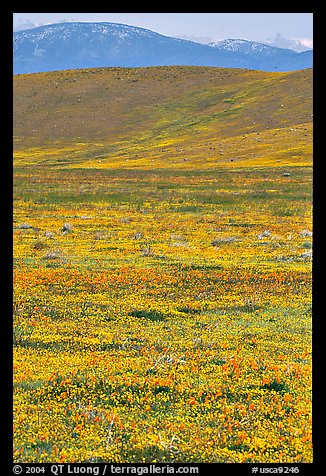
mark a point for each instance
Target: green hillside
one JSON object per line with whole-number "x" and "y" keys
{"x": 172, "y": 116}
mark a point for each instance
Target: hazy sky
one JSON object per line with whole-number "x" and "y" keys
{"x": 288, "y": 30}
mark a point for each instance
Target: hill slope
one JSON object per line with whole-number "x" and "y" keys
{"x": 76, "y": 45}
{"x": 162, "y": 116}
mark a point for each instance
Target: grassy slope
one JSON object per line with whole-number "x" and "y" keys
{"x": 163, "y": 117}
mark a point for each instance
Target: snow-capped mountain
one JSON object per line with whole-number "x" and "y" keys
{"x": 83, "y": 45}
{"x": 248, "y": 47}
{"x": 266, "y": 57}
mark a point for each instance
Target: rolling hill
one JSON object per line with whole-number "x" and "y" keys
{"x": 162, "y": 117}
{"x": 75, "y": 45}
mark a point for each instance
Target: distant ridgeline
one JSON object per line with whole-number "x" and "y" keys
{"x": 75, "y": 45}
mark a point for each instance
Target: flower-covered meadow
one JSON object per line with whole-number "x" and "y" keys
{"x": 162, "y": 315}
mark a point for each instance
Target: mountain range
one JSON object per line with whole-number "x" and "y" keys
{"x": 78, "y": 45}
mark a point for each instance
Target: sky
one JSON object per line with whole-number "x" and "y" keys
{"x": 285, "y": 30}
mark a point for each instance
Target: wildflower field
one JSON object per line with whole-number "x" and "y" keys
{"x": 162, "y": 303}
